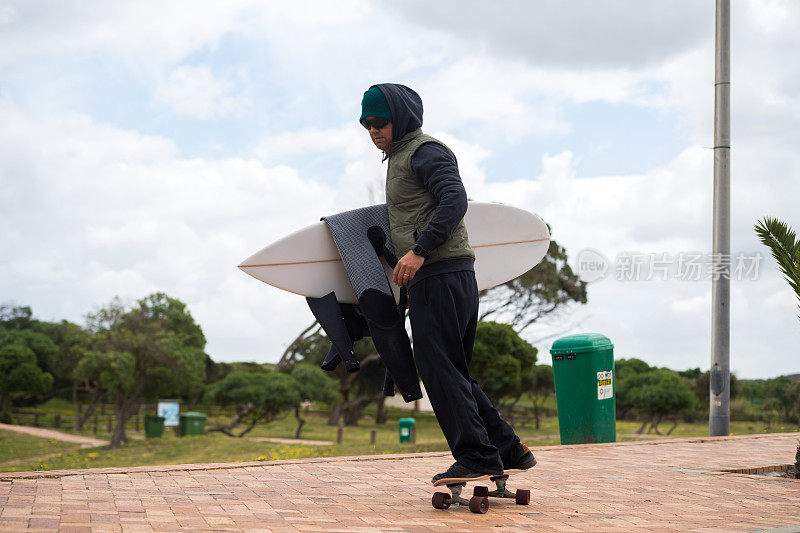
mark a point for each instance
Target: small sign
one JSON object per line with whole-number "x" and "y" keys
{"x": 559, "y": 357}
{"x": 605, "y": 385}
{"x": 170, "y": 410}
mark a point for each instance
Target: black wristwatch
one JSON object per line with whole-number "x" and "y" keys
{"x": 419, "y": 250}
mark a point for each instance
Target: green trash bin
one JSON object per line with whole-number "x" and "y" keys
{"x": 192, "y": 424}
{"x": 406, "y": 426}
{"x": 583, "y": 370}
{"x": 153, "y": 426}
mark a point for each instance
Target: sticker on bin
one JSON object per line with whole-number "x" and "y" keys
{"x": 605, "y": 385}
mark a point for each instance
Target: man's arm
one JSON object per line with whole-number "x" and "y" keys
{"x": 436, "y": 169}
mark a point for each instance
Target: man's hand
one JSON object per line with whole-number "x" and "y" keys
{"x": 406, "y": 268}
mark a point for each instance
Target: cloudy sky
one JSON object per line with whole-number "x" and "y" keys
{"x": 151, "y": 146}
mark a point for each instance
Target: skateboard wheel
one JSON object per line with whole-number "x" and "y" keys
{"x": 439, "y": 500}
{"x": 523, "y": 497}
{"x": 480, "y": 491}
{"x": 479, "y": 504}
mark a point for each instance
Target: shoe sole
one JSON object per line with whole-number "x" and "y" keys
{"x": 451, "y": 480}
{"x": 526, "y": 466}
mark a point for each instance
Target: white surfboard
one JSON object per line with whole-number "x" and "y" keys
{"x": 507, "y": 241}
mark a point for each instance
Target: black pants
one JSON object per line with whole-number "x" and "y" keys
{"x": 444, "y": 315}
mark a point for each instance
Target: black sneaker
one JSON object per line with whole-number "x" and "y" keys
{"x": 525, "y": 461}
{"x": 456, "y": 474}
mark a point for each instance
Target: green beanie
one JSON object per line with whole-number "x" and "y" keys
{"x": 374, "y": 104}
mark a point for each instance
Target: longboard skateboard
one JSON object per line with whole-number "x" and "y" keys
{"x": 479, "y": 503}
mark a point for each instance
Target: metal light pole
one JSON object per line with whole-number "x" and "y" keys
{"x": 719, "y": 418}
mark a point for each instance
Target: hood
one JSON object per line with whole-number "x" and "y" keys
{"x": 406, "y": 107}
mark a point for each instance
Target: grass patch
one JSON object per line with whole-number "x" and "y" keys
{"x": 56, "y": 405}
{"x": 15, "y": 445}
{"x": 167, "y": 450}
{"x": 700, "y": 429}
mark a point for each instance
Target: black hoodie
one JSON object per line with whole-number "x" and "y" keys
{"x": 436, "y": 169}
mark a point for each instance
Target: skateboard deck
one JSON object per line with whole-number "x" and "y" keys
{"x": 479, "y": 503}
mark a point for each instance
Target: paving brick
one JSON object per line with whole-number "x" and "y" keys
{"x": 43, "y": 523}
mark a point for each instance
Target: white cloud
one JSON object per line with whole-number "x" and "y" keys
{"x": 349, "y": 141}
{"x": 583, "y": 34}
{"x": 161, "y": 32}
{"x": 696, "y": 306}
{"x": 89, "y": 222}
{"x": 7, "y": 14}
{"x": 194, "y": 91}
{"x": 781, "y": 300}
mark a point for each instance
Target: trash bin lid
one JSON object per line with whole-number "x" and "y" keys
{"x": 409, "y": 421}
{"x": 192, "y": 414}
{"x": 584, "y": 342}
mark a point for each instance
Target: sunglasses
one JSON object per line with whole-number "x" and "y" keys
{"x": 377, "y": 123}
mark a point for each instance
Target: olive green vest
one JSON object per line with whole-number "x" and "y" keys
{"x": 411, "y": 206}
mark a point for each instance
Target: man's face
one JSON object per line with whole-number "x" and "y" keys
{"x": 381, "y": 137}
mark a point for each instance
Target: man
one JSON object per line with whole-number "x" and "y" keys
{"x": 426, "y": 201}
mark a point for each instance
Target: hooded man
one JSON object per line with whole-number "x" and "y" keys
{"x": 426, "y": 201}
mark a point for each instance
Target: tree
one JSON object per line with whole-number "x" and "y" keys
{"x": 543, "y": 290}
{"x": 776, "y": 398}
{"x": 44, "y": 349}
{"x": 298, "y": 348}
{"x": 692, "y": 373}
{"x": 45, "y": 354}
{"x": 625, "y": 369}
{"x": 152, "y": 349}
{"x": 58, "y": 347}
{"x": 785, "y": 393}
{"x": 314, "y": 386}
{"x": 256, "y": 396}
{"x": 88, "y": 389}
{"x": 70, "y": 341}
{"x": 656, "y": 394}
{"x": 356, "y": 389}
{"x": 785, "y": 248}
{"x": 19, "y": 376}
{"x": 544, "y": 388}
{"x": 15, "y": 317}
{"x": 503, "y": 364}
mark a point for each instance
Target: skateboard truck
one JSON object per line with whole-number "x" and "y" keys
{"x": 479, "y": 503}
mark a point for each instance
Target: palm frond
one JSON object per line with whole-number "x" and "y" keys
{"x": 785, "y": 248}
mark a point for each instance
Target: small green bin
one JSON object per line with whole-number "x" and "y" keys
{"x": 153, "y": 426}
{"x": 583, "y": 370}
{"x": 406, "y": 426}
{"x": 192, "y": 424}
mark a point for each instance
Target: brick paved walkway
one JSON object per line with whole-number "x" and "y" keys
{"x": 636, "y": 486}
